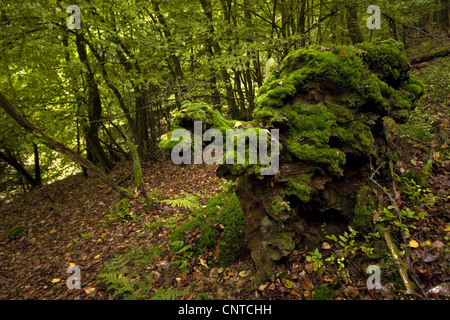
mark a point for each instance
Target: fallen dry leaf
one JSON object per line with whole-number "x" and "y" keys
{"x": 413, "y": 244}
{"x": 262, "y": 287}
{"x": 351, "y": 292}
{"x": 309, "y": 267}
{"x": 244, "y": 273}
{"x": 306, "y": 284}
{"x": 326, "y": 246}
{"x": 289, "y": 284}
{"x": 438, "y": 244}
{"x": 203, "y": 263}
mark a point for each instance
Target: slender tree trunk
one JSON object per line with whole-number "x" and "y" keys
{"x": 94, "y": 104}
{"x": 301, "y": 23}
{"x": 443, "y": 14}
{"x": 229, "y": 96}
{"x": 13, "y": 162}
{"x": 55, "y": 145}
{"x": 352, "y": 23}
{"x": 37, "y": 167}
{"x": 238, "y": 89}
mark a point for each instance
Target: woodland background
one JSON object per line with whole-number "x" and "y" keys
{"x": 121, "y": 77}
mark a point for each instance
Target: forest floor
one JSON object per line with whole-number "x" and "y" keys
{"x": 66, "y": 225}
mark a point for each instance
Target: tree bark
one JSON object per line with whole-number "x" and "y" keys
{"x": 214, "y": 45}
{"x": 443, "y": 14}
{"x": 94, "y": 104}
{"x": 37, "y": 167}
{"x": 301, "y": 23}
{"x": 352, "y": 23}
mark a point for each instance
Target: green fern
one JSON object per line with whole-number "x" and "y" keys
{"x": 168, "y": 293}
{"x": 187, "y": 201}
{"x": 126, "y": 275}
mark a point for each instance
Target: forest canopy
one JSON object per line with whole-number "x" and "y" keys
{"x": 132, "y": 64}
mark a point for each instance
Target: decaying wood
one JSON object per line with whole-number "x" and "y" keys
{"x": 402, "y": 269}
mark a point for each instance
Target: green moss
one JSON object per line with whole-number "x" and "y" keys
{"x": 279, "y": 246}
{"x": 387, "y": 59}
{"x": 220, "y": 225}
{"x": 279, "y": 206}
{"x": 323, "y": 292}
{"x": 287, "y": 243}
{"x": 121, "y": 212}
{"x": 138, "y": 179}
{"x": 364, "y": 209}
{"x": 332, "y": 157}
{"x": 299, "y": 186}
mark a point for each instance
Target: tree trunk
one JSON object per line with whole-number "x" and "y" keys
{"x": 37, "y": 167}
{"x": 96, "y": 154}
{"x": 352, "y": 23}
{"x": 301, "y": 23}
{"x": 214, "y": 45}
{"x": 13, "y": 162}
{"x": 443, "y": 14}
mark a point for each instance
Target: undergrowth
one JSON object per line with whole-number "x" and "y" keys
{"x": 127, "y": 275}
{"x": 217, "y": 228}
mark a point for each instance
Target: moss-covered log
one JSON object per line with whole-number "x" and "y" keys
{"x": 330, "y": 106}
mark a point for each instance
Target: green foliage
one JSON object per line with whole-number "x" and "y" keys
{"x": 220, "y": 225}
{"x": 323, "y": 292}
{"x": 168, "y": 293}
{"x": 316, "y": 258}
{"x": 365, "y": 208}
{"x": 120, "y": 213}
{"x": 429, "y": 121}
{"x": 126, "y": 275}
{"x": 183, "y": 254}
{"x": 186, "y": 200}
{"x": 387, "y": 59}
{"x": 15, "y": 230}
{"x": 418, "y": 195}
{"x": 402, "y": 221}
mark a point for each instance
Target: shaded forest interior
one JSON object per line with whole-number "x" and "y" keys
{"x": 92, "y": 103}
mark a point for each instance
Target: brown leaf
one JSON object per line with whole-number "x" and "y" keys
{"x": 309, "y": 267}
{"x": 216, "y": 254}
{"x": 351, "y": 292}
{"x": 437, "y": 244}
{"x": 262, "y": 287}
{"x": 306, "y": 284}
{"x": 326, "y": 246}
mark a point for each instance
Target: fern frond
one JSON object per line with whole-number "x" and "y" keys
{"x": 187, "y": 201}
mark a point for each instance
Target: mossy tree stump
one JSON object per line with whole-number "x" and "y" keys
{"x": 330, "y": 106}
